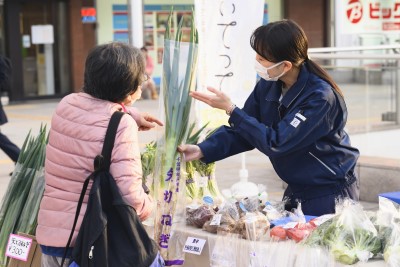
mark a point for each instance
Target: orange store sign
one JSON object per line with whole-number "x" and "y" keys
{"x": 360, "y": 16}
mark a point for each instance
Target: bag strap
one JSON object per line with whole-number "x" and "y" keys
{"x": 105, "y": 157}
{"x": 102, "y": 162}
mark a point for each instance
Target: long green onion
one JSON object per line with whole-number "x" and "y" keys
{"x": 179, "y": 77}
{"x": 20, "y": 204}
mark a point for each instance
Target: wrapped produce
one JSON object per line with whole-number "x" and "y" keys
{"x": 391, "y": 253}
{"x": 228, "y": 216}
{"x": 198, "y": 216}
{"x": 256, "y": 226}
{"x": 350, "y": 235}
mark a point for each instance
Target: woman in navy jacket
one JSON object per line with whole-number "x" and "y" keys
{"x": 296, "y": 116}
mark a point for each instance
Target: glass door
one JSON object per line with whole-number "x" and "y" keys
{"x": 44, "y": 48}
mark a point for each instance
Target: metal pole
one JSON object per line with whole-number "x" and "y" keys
{"x": 135, "y": 8}
{"x": 397, "y": 92}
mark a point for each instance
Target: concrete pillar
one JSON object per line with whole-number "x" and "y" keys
{"x": 135, "y": 8}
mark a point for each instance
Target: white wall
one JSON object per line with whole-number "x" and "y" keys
{"x": 105, "y": 19}
{"x": 275, "y": 10}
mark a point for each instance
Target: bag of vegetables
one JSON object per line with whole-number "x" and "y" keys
{"x": 391, "y": 253}
{"x": 350, "y": 235}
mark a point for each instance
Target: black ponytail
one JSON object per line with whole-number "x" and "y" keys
{"x": 320, "y": 72}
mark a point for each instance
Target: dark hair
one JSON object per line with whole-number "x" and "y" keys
{"x": 113, "y": 71}
{"x": 286, "y": 40}
{"x": 144, "y": 49}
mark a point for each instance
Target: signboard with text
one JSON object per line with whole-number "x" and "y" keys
{"x": 368, "y": 16}
{"x": 366, "y": 23}
{"x": 18, "y": 247}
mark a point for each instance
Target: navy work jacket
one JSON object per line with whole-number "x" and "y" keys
{"x": 303, "y": 134}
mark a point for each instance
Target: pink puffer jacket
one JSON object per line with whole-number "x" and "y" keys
{"x": 77, "y": 133}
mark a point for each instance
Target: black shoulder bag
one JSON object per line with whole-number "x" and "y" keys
{"x": 111, "y": 233}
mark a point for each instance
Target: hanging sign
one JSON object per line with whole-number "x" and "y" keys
{"x": 226, "y": 59}
{"x": 42, "y": 34}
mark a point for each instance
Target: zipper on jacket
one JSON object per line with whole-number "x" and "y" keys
{"x": 91, "y": 252}
{"x": 279, "y": 111}
{"x": 320, "y": 161}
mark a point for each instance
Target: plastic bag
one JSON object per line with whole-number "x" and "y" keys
{"x": 256, "y": 226}
{"x": 350, "y": 235}
{"x": 225, "y": 220}
{"x": 391, "y": 253}
{"x": 198, "y": 216}
{"x": 230, "y": 250}
{"x": 388, "y": 212}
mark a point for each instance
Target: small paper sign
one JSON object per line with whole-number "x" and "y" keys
{"x": 194, "y": 245}
{"x": 216, "y": 219}
{"x": 18, "y": 247}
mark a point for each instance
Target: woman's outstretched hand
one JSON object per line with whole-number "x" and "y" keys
{"x": 190, "y": 152}
{"x": 146, "y": 122}
{"x": 216, "y": 100}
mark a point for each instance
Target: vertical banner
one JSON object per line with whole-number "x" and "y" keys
{"x": 226, "y": 59}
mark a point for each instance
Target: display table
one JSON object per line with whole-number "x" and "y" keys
{"x": 231, "y": 250}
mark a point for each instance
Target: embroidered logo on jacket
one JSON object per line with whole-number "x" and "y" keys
{"x": 295, "y": 122}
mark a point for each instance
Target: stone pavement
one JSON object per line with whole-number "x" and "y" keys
{"x": 31, "y": 115}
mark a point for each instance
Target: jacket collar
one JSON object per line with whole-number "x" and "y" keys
{"x": 275, "y": 90}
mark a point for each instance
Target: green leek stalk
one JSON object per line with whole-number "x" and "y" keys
{"x": 177, "y": 105}
{"x": 191, "y": 187}
{"x": 21, "y": 203}
{"x": 207, "y": 171}
{"x": 148, "y": 161}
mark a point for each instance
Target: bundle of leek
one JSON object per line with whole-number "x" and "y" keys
{"x": 20, "y": 204}
{"x": 206, "y": 182}
{"x": 191, "y": 187}
{"x": 178, "y": 79}
{"x": 148, "y": 160}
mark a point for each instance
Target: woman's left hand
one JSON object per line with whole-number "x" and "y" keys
{"x": 216, "y": 100}
{"x": 143, "y": 120}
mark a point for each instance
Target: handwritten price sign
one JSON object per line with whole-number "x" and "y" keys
{"x": 194, "y": 245}
{"x": 18, "y": 247}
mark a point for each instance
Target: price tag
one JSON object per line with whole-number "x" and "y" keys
{"x": 194, "y": 245}
{"x": 216, "y": 220}
{"x": 18, "y": 247}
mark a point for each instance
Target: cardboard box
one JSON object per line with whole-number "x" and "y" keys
{"x": 34, "y": 257}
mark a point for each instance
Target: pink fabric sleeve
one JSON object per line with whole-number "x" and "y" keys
{"x": 126, "y": 168}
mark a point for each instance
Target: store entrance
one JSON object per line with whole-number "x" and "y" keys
{"x": 37, "y": 44}
{"x": 44, "y": 55}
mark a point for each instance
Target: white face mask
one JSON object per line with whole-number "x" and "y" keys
{"x": 263, "y": 71}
